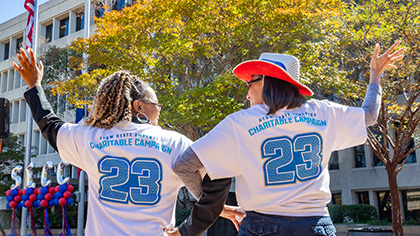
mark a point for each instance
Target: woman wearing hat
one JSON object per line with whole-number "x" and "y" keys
{"x": 278, "y": 149}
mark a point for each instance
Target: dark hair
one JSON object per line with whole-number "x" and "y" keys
{"x": 278, "y": 94}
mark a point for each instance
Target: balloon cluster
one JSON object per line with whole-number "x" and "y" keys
{"x": 46, "y": 196}
{"x": 63, "y": 194}
{"x": 14, "y": 198}
{"x": 29, "y": 197}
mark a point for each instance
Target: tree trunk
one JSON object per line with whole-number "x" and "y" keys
{"x": 397, "y": 224}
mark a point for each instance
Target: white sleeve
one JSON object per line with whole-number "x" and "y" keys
{"x": 350, "y": 126}
{"x": 218, "y": 150}
{"x": 67, "y": 144}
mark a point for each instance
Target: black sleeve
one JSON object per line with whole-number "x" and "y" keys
{"x": 206, "y": 211}
{"x": 49, "y": 123}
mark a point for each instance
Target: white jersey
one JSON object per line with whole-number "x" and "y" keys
{"x": 132, "y": 188}
{"x": 281, "y": 161}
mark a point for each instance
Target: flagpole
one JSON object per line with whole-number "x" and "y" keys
{"x": 82, "y": 195}
{"x": 29, "y": 119}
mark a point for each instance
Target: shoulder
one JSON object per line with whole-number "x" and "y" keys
{"x": 173, "y": 135}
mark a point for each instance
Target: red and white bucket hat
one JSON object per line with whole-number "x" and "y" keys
{"x": 280, "y": 66}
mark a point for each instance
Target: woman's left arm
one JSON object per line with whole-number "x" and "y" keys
{"x": 378, "y": 65}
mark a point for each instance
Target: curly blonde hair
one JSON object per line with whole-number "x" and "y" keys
{"x": 113, "y": 101}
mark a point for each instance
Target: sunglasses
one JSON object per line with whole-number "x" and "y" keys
{"x": 252, "y": 81}
{"x": 158, "y": 105}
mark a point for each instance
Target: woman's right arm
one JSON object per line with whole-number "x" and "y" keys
{"x": 49, "y": 123}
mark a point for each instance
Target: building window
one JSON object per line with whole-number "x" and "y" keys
{"x": 19, "y": 44}
{"x": 15, "y": 117}
{"x": 10, "y": 80}
{"x": 64, "y": 27}
{"x": 359, "y": 156}
{"x": 118, "y": 5}
{"x": 363, "y": 197}
{"x": 21, "y": 140}
{"x": 412, "y": 157}
{"x": 80, "y": 21}
{"x": 333, "y": 164}
{"x": 384, "y": 206}
{"x": 35, "y": 146}
{"x": 22, "y": 112}
{"x": 411, "y": 204}
{"x": 6, "y": 51}
{"x": 336, "y": 199}
{"x": 48, "y": 33}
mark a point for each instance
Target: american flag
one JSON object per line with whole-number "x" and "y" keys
{"x": 30, "y": 7}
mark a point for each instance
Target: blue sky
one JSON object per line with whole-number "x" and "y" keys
{"x": 12, "y": 8}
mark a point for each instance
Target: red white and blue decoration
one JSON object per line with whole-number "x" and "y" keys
{"x": 46, "y": 196}
{"x": 63, "y": 196}
{"x": 30, "y": 196}
{"x": 14, "y": 197}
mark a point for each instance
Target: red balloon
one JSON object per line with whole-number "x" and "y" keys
{"x": 67, "y": 194}
{"x": 32, "y": 197}
{"x": 70, "y": 188}
{"x": 8, "y": 192}
{"x": 20, "y": 192}
{"x": 36, "y": 191}
{"x": 48, "y": 196}
{"x": 62, "y": 201}
{"x": 17, "y": 198}
{"x": 44, "y": 203}
{"x": 28, "y": 203}
{"x": 51, "y": 190}
{"x": 24, "y": 191}
{"x": 57, "y": 188}
{"x": 13, "y": 204}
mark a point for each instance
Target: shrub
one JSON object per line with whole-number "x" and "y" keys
{"x": 352, "y": 213}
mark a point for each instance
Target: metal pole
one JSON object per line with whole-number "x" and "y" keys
{"x": 29, "y": 127}
{"x": 82, "y": 195}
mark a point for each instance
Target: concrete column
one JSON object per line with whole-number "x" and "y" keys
{"x": 369, "y": 156}
{"x": 373, "y": 200}
{"x": 56, "y": 29}
{"x": 12, "y": 46}
{"x": 401, "y": 204}
{"x": 4, "y": 86}
{"x": 72, "y": 22}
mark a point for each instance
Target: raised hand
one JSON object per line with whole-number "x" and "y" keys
{"x": 378, "y": 64}
{"x": 31, "y": 73}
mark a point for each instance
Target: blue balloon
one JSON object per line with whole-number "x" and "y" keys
{"x": 69, "y": 201}
{"x": 58, "y": 195}
{"x": 44, "y": 190}
{"x": 62, "y": 188}
{"x": 19, "y": 205}
{"x": 10, "y": 198}
{"x": 29, "y": 191}
{"x": 14, "y": 192}
{"x": 40, "y": 196}
{"x": 56, "y": 201}
{"x": 25, "y": 197}
{"x": 8, "y": 206}
{"x": 51, "y": 203}
{"x": 35, "y": 204}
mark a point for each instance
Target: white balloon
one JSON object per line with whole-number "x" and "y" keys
{"x": 60, "y": 172}
{"x": 44, "y": 174}
{"x": 16, "y": 177}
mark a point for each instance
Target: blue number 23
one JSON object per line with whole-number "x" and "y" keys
{"x": 292, "y": 159}
{"x": 137, "y": 181}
